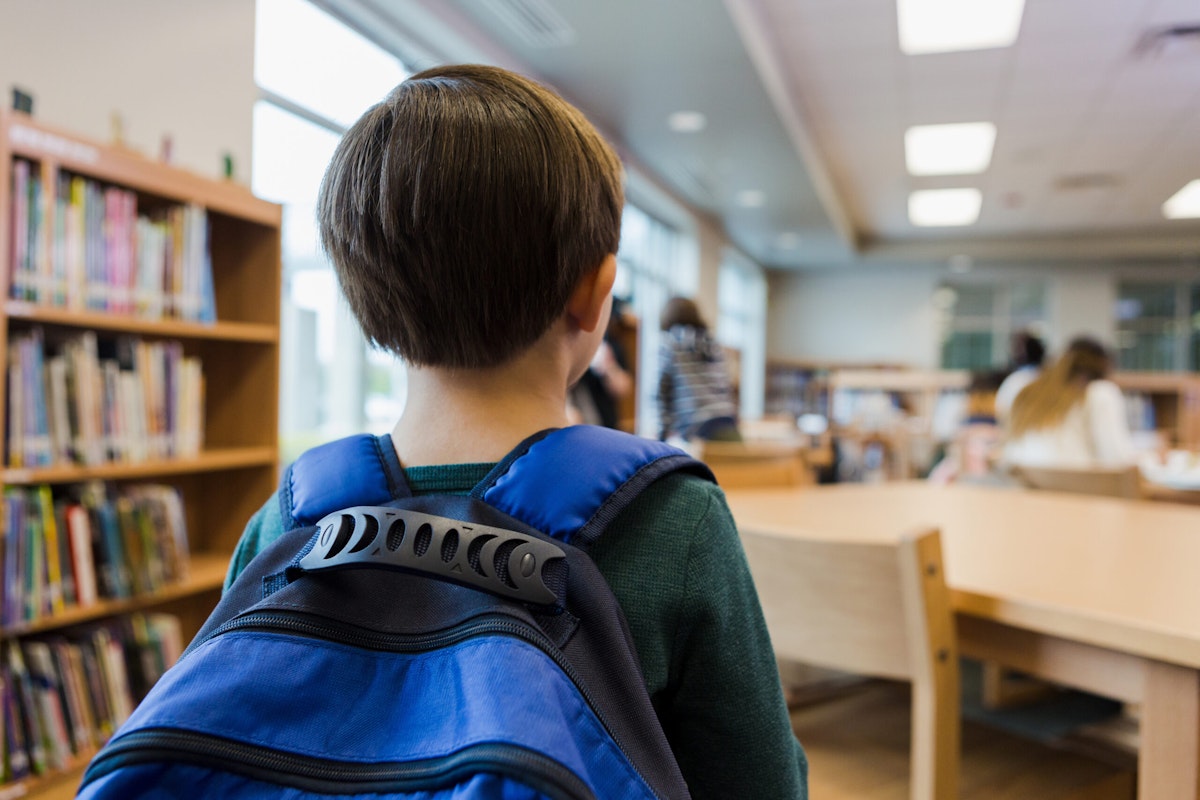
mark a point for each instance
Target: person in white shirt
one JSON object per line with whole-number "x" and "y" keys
{"x": 1071, "y": 416}
{"x": 1028, "y": 352}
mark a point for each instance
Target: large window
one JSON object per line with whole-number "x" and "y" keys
{"x": 742, "y": 327}
{"x": 1158, "y": 325}
{"x": 655, "y": 262}
{"x": 978, "y": 320}
{"x": 315, "y": 77}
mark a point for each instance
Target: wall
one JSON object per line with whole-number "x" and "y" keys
{"x": 866, "y": 316}
{"x": 167, "y": 68}
{"x": 875, "y": 314}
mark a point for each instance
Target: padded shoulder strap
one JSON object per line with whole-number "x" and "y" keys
{"x": 359, "y": 470}
{"x": 572, "y": 482}
{"x": 569, "y": 483}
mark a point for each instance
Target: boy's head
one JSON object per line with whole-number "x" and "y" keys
{"x": 461, "y": 212}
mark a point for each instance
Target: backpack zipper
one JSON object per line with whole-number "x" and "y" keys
{"x": 312, "y": 774}
{"x": 319, "y": 628}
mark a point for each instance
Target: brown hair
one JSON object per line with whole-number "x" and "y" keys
{"x": 461, "y": 212}
{"x": 681, "y": 311}
{"x": 1048, "y": 399}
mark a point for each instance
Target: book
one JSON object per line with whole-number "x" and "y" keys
{"x": 51, "y": 717}
{"x": 25, "y": 705}
{"x": 16, "y": 751}
{"x": 79, "y": 534}
{"x": 54, "y": 576}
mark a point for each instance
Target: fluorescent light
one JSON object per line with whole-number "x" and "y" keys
{"x": 958, "y": 149}
{"x": 788, "y": 240}
{"x": 944, "y": 26}
{"x": 751, "y": 198}
{"x": 687, "y": 121}
{"x": 931, "y": 208}
{"x": 1184, "y": 204}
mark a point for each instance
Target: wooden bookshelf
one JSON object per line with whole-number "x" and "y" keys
{"x": 1175, "y": 398}
{"x": 237, "y": 467}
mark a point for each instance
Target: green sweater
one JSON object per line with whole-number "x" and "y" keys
{"x": 678, "y": 571}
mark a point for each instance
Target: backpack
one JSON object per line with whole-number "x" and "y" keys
{"x": 431, "y": 647}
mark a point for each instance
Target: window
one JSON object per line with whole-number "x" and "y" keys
{"x": 978, "y": 320}
{"x": 1158, "y": 325}
{"x": 305, "y": 57}
{"x": 655, "y": 262}
{"x": 315, "y": 77}
{"x": 742, "y": 326}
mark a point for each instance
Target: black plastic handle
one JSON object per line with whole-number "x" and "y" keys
{"x": 496, "y": 560}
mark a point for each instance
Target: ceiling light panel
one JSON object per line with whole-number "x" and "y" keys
{"x": 946, "y": 26}
{"x": 1184, "y": 204}
{"x": 938, "y": 208}
{"x": 959, "y": 149}
{"x": 687, "y": 121}
{"x": 751, "y": 198}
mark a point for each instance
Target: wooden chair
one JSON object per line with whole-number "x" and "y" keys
{"x": 750, "y": 464}
{"x": 1126, "y": 482}
{"x": 874, "y": 608}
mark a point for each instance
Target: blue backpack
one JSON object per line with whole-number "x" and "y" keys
{"x": 433, "y": 647}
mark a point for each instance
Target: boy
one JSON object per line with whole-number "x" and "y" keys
{"x": 473, "y": 220}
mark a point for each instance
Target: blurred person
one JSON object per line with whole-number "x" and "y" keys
{"x": 1071, "y": 415}
{"x": 971, "y": 456}
{"x": 695, "y": 391}
{"x": 1027, "y": 354}
{"x": 607, "y": 381}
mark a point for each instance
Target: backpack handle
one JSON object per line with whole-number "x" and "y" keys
{"x": 496, "y": 560}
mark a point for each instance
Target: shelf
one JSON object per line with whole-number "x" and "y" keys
{"x": 209, "y": 461}
{"x": 94, "y": 320}
{"x": 228, "y": 481}
{"x": 55, "y": 785}
{"x": 207, "y": 573}
{"x": 35, "y": 140}
{"x": 900, "y": 380}
{"x": 1165, "y": 382}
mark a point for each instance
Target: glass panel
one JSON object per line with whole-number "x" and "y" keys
{"x": 306, "y": 56}
{"x": 974, "y": 301}
{"x": 290, "y": 155}
{"x": 319, "y": 349}
{"x": 968, "y": 350}
{"x": 1147, "y": 348}
{"x": 386, "y": 390}
{"x": 1147, "y": 299}
{"x": 1027, "y": 303}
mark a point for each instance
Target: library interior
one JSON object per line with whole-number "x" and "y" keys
{"x": 917, "y": 281}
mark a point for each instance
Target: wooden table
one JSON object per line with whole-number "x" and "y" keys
{"x": 1097, "y": 593}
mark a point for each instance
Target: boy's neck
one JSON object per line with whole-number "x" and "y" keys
{"x": 478, "y": 416}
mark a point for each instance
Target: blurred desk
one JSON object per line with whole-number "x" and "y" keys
{"x": 1097, "y": 593}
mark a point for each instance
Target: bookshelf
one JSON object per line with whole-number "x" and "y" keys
{"x": 229, "y": 326}
{"x": 1174, "y": 403}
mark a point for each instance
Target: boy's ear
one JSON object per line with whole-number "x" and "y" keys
{"x": 587, "y": 303}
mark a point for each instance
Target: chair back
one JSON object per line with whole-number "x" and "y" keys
{"x": 875, "y": 608}
{"x": 1124, "y": 482}
{"x": 759, "y": 463}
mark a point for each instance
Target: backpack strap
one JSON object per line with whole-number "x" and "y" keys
{"x": 568, "y": 483}
{"x": 360, "y": 470}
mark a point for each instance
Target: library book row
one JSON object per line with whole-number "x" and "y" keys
{"x": 82, "y": 245}
{"x": 91, "y": 544}
{"x": 82, "y": 399}
{"x": 63, "y": 697}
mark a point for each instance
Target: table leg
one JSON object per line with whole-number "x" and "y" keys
{"x": 1169, "y": 760}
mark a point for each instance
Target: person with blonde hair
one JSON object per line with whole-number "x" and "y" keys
{"x": 1071, "y": 415}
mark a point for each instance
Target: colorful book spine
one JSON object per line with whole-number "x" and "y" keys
{"x": 60, "y": 553}
{"x": 81, "y": 244}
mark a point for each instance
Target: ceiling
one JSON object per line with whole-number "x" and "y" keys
{"x": 807, "y": 102}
